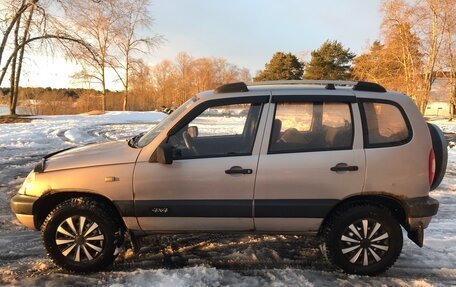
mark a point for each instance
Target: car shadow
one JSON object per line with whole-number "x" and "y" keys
{"x": 238, "y": 252}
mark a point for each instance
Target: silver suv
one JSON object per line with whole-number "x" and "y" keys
{"x": 347, "y": 161}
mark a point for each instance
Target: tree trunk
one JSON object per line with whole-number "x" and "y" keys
{"x": 426, "y": 90}
{"x": 13, "y": 94}
{"x": 21, "y": 56}
{"x": 127, "y": 70}
{"x": 125, "y": 101}
{"x": 452, "y": 101}
{"x": 452, "y": 110}
{"x": 103, "y": 97}
{"x": 103, "y": 89}
{"x": 13, "y": 100}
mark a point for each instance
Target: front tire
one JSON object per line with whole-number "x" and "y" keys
{"x": 81, "y": 235}
{"x": 362, "y": 239}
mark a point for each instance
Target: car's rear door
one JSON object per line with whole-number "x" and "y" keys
{"x": 312, "y": 157}
{"x": 209, "y": 185}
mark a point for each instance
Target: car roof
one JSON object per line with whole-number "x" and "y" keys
{"x": 323, "y": 87}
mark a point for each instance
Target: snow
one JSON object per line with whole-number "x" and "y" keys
{"x": 197, "y": 259}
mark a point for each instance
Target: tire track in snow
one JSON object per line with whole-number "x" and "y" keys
{"x": 61, "y": 135}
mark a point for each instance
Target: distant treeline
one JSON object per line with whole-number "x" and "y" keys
{"x": 54, "y": 101}
{"x": 167, "y": 84}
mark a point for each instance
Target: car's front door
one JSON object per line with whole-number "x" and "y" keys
{"x": 313, "y": 159}
{"x": 210, "y": 184}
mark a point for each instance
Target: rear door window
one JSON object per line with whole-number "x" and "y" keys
{"x": 385, "y": 124}
{"x": 311, "y": 126}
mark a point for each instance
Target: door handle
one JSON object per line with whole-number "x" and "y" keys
{"x": 344, "y": 167}
{"x": 238, "y": 170}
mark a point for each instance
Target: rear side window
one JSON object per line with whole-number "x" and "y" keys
{"x": 385, "y": 125}
{"x": 308, "y": 126}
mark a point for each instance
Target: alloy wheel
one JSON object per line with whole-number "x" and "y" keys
{"x": 79, "y": 238}
{"x": 365, "y": 242}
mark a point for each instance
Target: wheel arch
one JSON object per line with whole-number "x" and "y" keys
{"x": 47, "y": 203}
{"x": 390, "y": 202}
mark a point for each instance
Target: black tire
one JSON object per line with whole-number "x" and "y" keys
{"x": 87, "y": 254}
{"x": 335, "y": 245}
{"x": 439, "y": 144}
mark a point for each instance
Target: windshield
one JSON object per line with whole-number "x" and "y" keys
{"x": 152, "y": 133}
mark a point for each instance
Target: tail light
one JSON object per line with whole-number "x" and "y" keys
{"x": 431, "y": 167}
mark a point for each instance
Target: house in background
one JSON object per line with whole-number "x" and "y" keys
{"x": 438, "y": 108}
{"x": 439, "y": 102}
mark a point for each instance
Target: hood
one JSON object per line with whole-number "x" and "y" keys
{"x": 117, "y": 152}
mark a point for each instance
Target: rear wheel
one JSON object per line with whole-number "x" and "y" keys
{"x": 439, "y": 145}
{"x": 362, "y": 239}
{"x": 81, "y": 235}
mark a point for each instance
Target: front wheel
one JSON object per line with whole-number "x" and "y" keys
{"x": 81, "y": 235}
{"x": 362, "y": 239}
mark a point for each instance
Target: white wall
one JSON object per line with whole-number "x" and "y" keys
{"x": 438, "y": 109}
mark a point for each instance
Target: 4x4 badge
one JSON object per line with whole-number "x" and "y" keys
{"x": 160, "y": 210}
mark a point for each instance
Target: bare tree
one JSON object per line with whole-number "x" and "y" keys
{"x": 13, "y": 99}
{"x": 447, "y": 61}
{"x": 418, "y": 31}
{"x": 19, "y": 61}
{"x": 134, "y": 15}
{"x": 175, "y": 82}
{"x": 434, "y": 19}
{"x": 14, "y": 14}
{"x": 184, "y": 69}
{"x": 165, "y": 83}
{"x": 95, "y": 22}
{"x": 401, "y": 53}
{"x": 45, "y": 27}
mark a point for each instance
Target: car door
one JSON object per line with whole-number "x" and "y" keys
{"x": 312, "y": 157}
{"x": 209, "y": 185}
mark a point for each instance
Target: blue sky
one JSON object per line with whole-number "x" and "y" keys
{"x": 245, "y": 32}
{"x": 248, "y": 32}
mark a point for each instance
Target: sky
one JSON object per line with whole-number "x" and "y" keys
{"x": 245, "y": 32}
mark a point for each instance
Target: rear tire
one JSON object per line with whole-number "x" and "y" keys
{"x": 439, "y": 144}
{"x": 362, "y": 239}
{"x": 81, "y": 235}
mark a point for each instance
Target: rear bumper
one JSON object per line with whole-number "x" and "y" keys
{"x": 421, "y": 207}
{"x": 22, "y": 206}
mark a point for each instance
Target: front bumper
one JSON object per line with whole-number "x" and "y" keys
{"x": 22, "y": 206}
{"x": 419, "y": 212}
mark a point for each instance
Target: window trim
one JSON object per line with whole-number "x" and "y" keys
{"x": 313, "y": 98}
{"x": 366, "y": 143}
{"x": 328, "y": 99}
{"x": 198, "y": 110}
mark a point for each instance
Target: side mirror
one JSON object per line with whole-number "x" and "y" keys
{"x": 192, "y": 131}
{"x": 165, "y": 154}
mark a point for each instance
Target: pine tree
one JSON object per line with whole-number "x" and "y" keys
{"x": 329, "y": 62}
{"x": 281, "y": 67}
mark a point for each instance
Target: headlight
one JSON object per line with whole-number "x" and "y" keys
{"x": 28, "y": 183}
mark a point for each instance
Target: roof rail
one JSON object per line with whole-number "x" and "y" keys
{"x": 240, "y": 87}
{"x": 369, "y": 87}
{"x": 303, "y": 82}
{"x": 329, "y": 84}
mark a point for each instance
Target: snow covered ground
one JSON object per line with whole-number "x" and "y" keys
{"x": 197, "y": 260}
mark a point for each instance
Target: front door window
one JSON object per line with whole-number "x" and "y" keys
{"x": 219, "y": 131}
